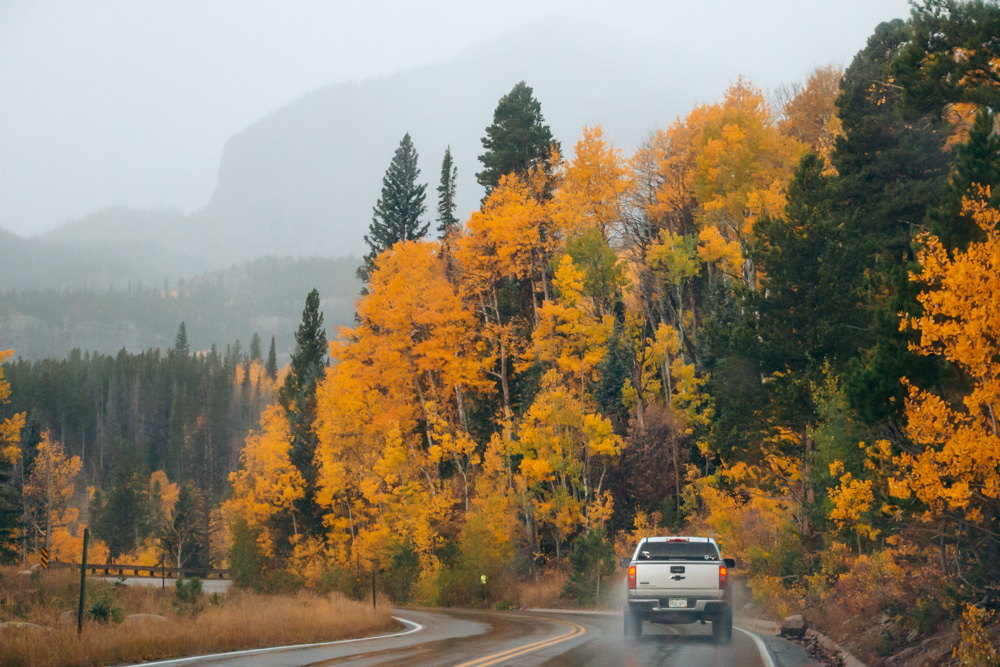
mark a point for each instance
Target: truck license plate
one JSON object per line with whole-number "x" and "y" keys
{"x": 678, "y": 602}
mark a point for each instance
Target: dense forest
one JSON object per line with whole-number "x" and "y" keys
{"x": 110, "y": 421}
{"x": 774, "y": 323}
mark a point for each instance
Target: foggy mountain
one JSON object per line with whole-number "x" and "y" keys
{"x": 306, "y": 177}
{"x": 302, "y": 181}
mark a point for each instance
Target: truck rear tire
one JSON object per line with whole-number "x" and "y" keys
{"x": 633, "y": 624}
{"x": 722, "y": 627}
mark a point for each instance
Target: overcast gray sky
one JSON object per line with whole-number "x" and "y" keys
{"x": 129, "y": 102}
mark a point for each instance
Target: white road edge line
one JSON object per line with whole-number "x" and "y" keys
{"x": 761, "y": 646}
{"x": 256, "y": 651}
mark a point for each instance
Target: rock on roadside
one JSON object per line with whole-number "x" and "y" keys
{"x": 794, "y": 626}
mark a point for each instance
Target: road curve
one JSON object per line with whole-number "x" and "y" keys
{"x": 474, "y": 638}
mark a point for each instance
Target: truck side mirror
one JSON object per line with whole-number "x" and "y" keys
{"x": 624, "y": 562}
{"x": 730, "y": 563}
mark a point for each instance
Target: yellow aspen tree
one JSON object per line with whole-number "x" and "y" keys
{"x": 165, "y": 491}
{"x": 641, "y": 389}
{"x": 350, "y": 416}
{"x": 957, "y": 472}
{"x": 570, "y": 338}
{"x": 266, "y": 482}
{"x": 673, "y": 260}
{"x": 500, "y": 244}
{"x": 590, "y": 195}
{"x": 744, "y": 165}
{"x": 565, "y": 451}
{"x": 809, "y": 112}
{"x": 659, "y": 226}
{"x": 677, "y": 150}
{"x": 51, "y": 484}
{"x": 852, "y": 499}
{"x": 10, "y": 428}
{"x": 392, "y": 409}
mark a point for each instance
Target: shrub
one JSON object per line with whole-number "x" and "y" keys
{"x": 347, "y": 582}
{"x": 246, "y": 561}
{"x": 189, "y": 591}
{"x": 187, "y": 594}
{"x": 104, "y": 609}
{"x": 977, "y": 648}
{"x": 592, "y": 567}
{"x": 403, "y": 571}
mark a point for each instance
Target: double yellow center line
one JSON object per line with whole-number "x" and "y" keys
{"x": 516, "y": 652}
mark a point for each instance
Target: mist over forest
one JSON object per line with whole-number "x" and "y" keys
{"x": 499, "y": 318}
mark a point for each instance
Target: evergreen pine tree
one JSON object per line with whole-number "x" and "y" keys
{"x": 891, "y": 172}
{"x": 802, "y": 310}
{"x": 182, "y": 538}
{"x": 121, "y": 517}
{"x": 271, "y": 367}
{"x": 446, "y": 196}
{"x": 181, "y": 346}
{"x": 298, "y": 398}
{"x": 928, "y": 68}
{"x": 517, "y": 140}
{"x": 396, "y": 215}
{"x": 255, "y": 352}
{"x": 977, "y": 161}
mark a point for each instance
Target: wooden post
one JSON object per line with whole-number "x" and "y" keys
{"x": 373, "y": 586}
{"x": 83, "y": 582}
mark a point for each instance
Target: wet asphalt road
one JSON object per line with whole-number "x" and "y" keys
{"x": 469, "y": 638}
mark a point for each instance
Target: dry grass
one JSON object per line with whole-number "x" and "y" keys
{"x": 227, "y": 623}
{"x": 545, "y": 593}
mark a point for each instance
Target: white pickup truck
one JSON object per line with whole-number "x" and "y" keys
{"x": 678, "y": 580}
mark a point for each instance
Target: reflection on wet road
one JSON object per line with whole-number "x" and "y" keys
{"x": 528, "y": 639}
{"x": 471, "y": 638}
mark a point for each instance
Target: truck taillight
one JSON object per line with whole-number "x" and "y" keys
{"x": 631, "y": 576}
{"x": 723, "y": 576}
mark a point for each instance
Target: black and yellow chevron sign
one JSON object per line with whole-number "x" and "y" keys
{"x": 45, "y": 558}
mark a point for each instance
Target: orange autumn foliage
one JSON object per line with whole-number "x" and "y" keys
{"x": 392, "y": 409}
{"x": 50, "y": 487}
{"x": 592, "y": 187}
{"x": 502, "y": 242}
{"x": 810, "y": 115}
{"x": 10, "y": 428}
{"x": 744, "y": 164}
{"x": 266, "y": 482}
{"x": 958, "y": 470}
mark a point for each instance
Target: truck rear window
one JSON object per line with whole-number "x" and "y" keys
{"x": 678, "y": 551}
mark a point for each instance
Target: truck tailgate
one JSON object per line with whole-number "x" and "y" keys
{"x": 687, "y": 579}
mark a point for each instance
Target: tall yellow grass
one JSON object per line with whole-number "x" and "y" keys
{"x": 545, "y": 593}
{"x": 237, "y": 621}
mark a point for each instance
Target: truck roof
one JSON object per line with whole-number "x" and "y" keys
{"x": 677, "y": 538}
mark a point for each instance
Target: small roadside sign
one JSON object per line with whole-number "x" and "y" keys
{"x": 45, "y": 558}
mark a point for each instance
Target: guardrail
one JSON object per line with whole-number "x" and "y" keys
{"x": 154, "y": 571}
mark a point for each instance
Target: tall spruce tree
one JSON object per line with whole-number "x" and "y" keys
{"x": 181, "y": 346}
{"x": 950, "y": 55}
{"x": 891, "y": 171}
{"x": 121, "y": 517}
{"x": 977, "y": 162}
{"x": 396, "y": 215}
{"x": 255, "y": 351}
{"x": 517, "y": 140}
{"x": 298, "y": 397}
{"x": 446, "y": 196}
{"x": 271, "y": 367}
